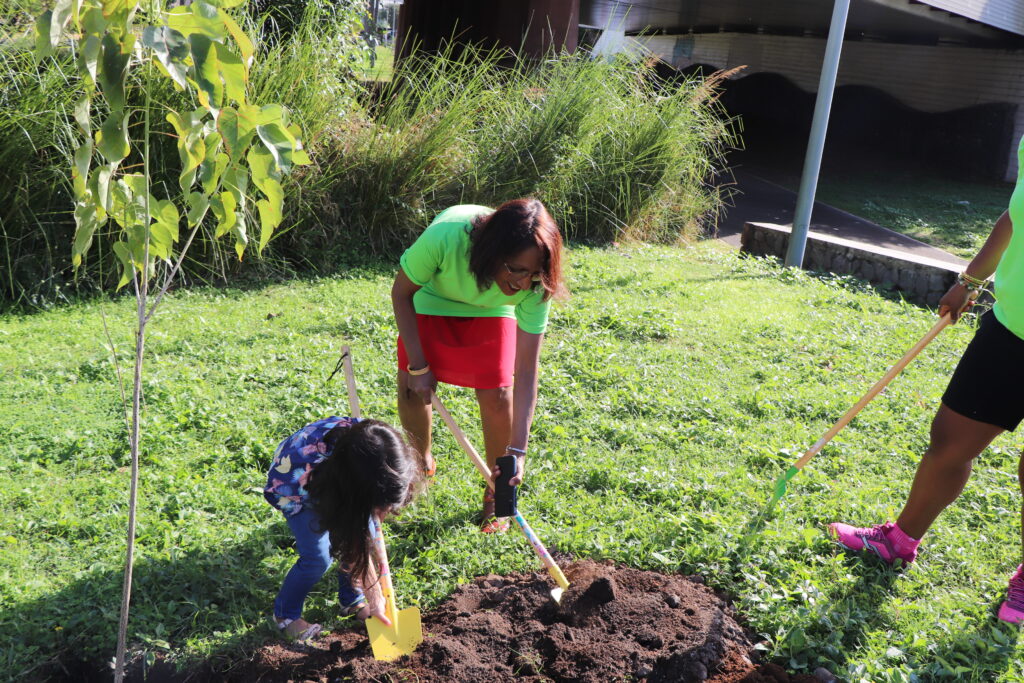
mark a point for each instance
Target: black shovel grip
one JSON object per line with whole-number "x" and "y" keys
{"x": 504, "y": 493}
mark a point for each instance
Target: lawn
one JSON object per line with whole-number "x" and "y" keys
{"x": 677, "y": 385}
{"x": 950, "y": 214}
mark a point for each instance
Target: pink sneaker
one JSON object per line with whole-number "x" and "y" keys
{"x": 887, "y": 541}
{"x": 1012, "y": 609}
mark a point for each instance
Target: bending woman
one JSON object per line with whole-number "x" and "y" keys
{"x": 985, "y": 397}
{"x": 471, "y": 301}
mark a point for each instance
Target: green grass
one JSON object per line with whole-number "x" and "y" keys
{"x": 950, "y": 214}
{"x": 677, "y": 385}
{"x": 382, "y": 70}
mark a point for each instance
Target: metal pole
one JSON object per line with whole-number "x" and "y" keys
{"x": 816, "y": 142}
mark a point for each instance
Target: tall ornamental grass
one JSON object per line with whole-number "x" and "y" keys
{"x": 613, "y": 150}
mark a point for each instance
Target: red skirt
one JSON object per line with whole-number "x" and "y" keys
{"x": 479, "y": 353}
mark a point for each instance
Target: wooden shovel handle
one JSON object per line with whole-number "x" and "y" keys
{"x": 874, "y": 390}
{"x": 350, "y": 382}
{"x": 460, "y": 436}
{"x": 542, "y": 552}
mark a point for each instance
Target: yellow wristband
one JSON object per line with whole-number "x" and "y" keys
{"x": 422, "y": 371}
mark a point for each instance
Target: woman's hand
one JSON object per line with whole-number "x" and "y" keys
{"x": 520, "y": 467}
{"x": 955, "y": 301}
{"x": 423, "y": 385}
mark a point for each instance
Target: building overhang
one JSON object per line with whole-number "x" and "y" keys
{"x": 901, "y": 21}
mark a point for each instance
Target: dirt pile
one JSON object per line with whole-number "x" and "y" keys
{"x": 613, "y": 624}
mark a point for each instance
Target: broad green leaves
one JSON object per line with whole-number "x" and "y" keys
{"x": 228, "y": 148}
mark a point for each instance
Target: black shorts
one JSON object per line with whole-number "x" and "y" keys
{"x": 988, "y": 384}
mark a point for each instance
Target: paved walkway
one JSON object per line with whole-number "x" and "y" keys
{"x": 759, "y": 200}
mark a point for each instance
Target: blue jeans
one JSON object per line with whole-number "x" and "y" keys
{"x": 314, "y": 548}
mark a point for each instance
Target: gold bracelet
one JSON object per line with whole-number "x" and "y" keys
{"x": 422, "y": 371}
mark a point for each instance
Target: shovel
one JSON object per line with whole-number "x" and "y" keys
{"x": 406, "y": 632}
{"x": 481, "y": 466}
{"x": 780, "y": 485}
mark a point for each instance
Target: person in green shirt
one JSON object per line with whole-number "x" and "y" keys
{"x": 985, "y": 397}
{"x": 471, "y": 301}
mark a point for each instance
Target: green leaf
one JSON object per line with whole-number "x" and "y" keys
{"x": 62, "y": 10}
{"x": 242, "y": 40}
{"x": 86, "y": 223}
{"x": 112, "y": 138}
{"x": 80, "y": 171}
{"x": 279, "y": 142}
{"x": 44, "y": 48}
{"x": 236, "y": 181}
{"x": 262, "y": 167}
{"x": 82, "y": 115}
{"x": 206, "y": 71}
{"x": 223, "y": 206}
{"x": 239, "y": 231}
{"x": 230, "y": 3}
{"x": 211, "y": 170}
{"x": 199, "y": 18}
{"x": 198, "y": 203}
{"x": 236, "y": 132}
{"x": 123, "y": 254}
{"x": 165, "y": 213}
{"x": 88, "y": 57}
{"x": 99, "y": 185}
{"x": 270, "y": 218}
{"x": 113, "y": 73}
{"x": 232, "y": 72}
{"x": 171, "y": 50}
{"x": 93, "y": 22}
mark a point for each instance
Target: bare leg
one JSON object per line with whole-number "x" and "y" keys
{"x": 415, "y": 414}
{"x": 496, "y": 417}
{"x": 945, "y": 468}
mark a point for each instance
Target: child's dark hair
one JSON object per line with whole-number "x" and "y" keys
{"x": 517, "y": 225}
{"x": 371, "y": 467}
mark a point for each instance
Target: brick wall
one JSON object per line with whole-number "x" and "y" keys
{"x": 927, "y": 78}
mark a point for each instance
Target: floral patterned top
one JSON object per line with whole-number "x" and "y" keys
{"x": 294, "y": 459}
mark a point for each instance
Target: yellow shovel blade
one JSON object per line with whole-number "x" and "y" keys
{"x": 391, "y": 642}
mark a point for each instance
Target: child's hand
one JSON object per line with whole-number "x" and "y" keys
{"x": 375, "y": 611}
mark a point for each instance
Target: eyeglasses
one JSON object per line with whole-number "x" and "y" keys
{"x": 520, "y": 273}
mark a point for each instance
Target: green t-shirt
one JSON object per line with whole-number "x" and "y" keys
{"x": 1009, "y": 284}
{"x": 439, "y": 263}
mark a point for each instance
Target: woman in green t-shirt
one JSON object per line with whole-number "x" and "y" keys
{"x": 471, "y": 300}
{"x": 985, "y": 397}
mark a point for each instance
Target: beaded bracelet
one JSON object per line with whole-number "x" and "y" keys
{"x": 970, "y": 283}
{"x": 422, "y": 371}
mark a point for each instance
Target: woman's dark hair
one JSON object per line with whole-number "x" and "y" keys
{"x": 370, "y": 467}
{"x": 515, "y": 226}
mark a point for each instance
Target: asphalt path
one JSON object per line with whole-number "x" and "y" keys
{"x": 761, "y": 201}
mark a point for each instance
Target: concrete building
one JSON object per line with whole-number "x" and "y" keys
{"x": 939, "y": 81}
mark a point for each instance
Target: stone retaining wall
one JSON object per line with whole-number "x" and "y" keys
{"x": 919, "y": 279}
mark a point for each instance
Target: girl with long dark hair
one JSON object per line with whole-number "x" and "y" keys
{"x": 471, "y": 300}
{"x": 327, "y": 479}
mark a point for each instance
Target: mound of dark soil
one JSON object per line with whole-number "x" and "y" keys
{"x": 613, "y": 624}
